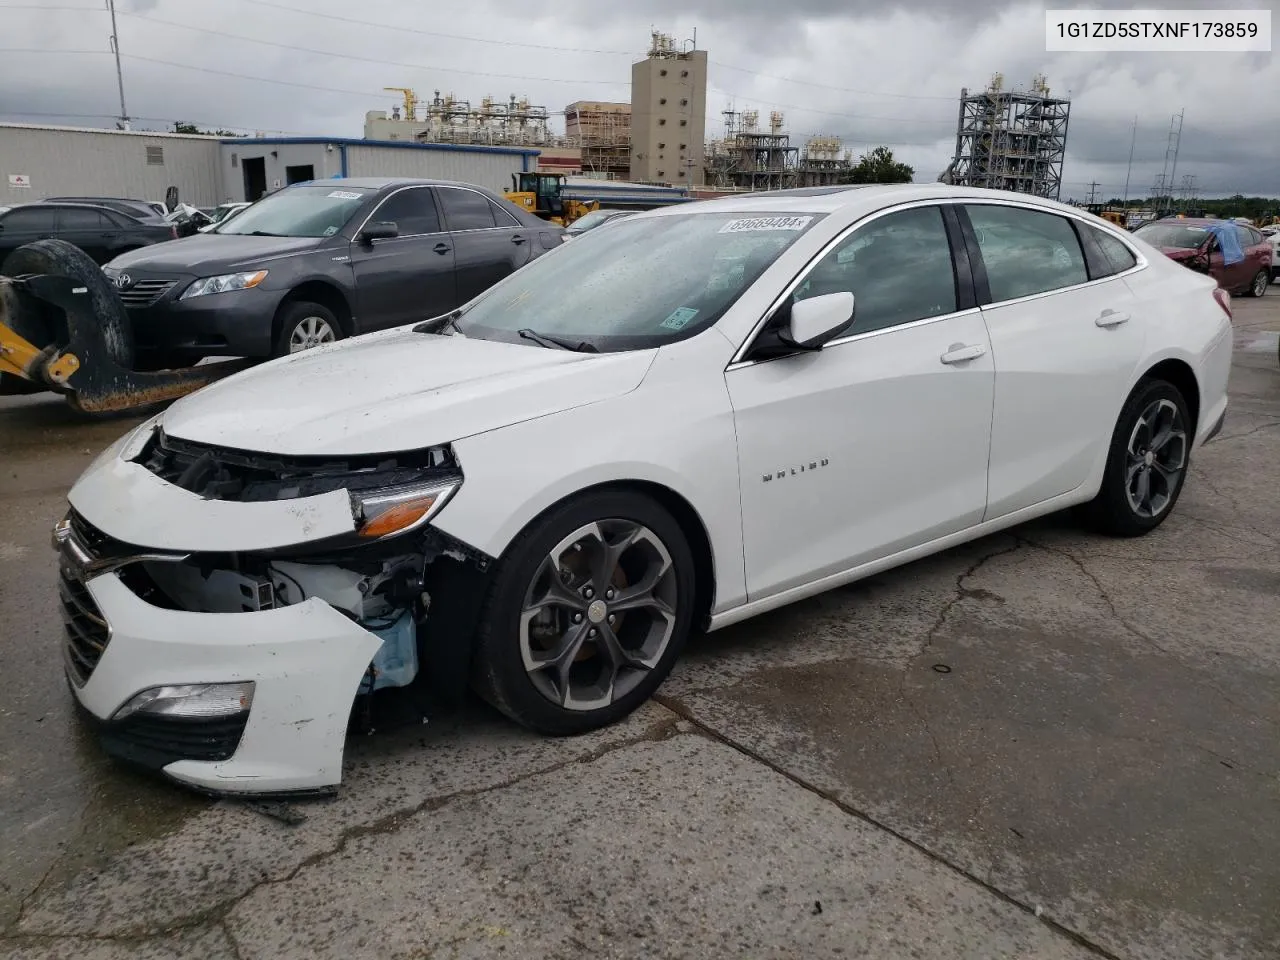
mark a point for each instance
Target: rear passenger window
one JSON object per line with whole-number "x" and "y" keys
{"x": 898, "y": 268}
{"x": 77, "y": 218}
{"x": 466, "y": 209}
{"x": 1117, "y": 252}
{"x": 412, "y": 211}
{"x": 1025, "y": 251}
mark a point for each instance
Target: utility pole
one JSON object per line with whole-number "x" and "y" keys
{"x": 115, "y": 48}
{"x": 1093, "y": 193}
{"x": 1177, "y": 143}
{"x": 1132, "y": 142}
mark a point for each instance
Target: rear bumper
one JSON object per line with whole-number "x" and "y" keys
{"x": 233, "y": 324}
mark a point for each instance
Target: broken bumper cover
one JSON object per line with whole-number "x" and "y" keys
{"x": 306, "y": 662}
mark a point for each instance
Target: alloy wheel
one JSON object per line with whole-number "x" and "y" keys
{"x": 1260, "y": 283}
{"x": 311, "y": 332}
{"x": 598, "y": 614}
{"x": 1157, "y": 457}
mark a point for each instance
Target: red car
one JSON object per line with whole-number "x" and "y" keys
{"x": 1190, "y": 241}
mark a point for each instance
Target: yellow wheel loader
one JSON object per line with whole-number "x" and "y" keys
{"x": 64, "y": 329}
{"x": 542, "y": 194}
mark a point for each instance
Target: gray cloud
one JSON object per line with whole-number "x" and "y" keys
{"x": 869, "y": 72}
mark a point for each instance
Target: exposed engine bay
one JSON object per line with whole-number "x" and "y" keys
{"x": 378, "y": 576}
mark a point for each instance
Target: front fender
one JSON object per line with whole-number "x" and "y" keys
{"x": 675, "y": 430}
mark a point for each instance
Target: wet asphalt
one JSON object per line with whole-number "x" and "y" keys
{"x": 1039, "y": 745}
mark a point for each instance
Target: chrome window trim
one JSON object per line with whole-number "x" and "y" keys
{"x": 739, "y": 355}
{"x": 401, "y": 236}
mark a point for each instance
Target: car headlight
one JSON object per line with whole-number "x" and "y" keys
{"x": 224, "y": 283}
{"x": 395, "y": 510}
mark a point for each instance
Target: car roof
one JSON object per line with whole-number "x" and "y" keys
{"x": 856, "y": 198}
{"x": 378, "y": 183}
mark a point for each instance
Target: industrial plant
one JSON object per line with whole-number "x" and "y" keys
{"x": 1011, "y": 139}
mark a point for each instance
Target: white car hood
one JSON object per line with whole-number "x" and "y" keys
{"x": 397, "y": 390}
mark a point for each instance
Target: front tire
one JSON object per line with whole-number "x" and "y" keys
{"x": 589, "y": 609}
{"x": 1146, "y": 464}
{"x": 304, "y": 325}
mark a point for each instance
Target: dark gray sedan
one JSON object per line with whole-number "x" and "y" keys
{"x": 320, "y": 261}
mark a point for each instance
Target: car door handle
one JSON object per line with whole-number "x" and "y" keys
{"x": 442, "y": 248}
{"x": 517, "y": 239}
{"x": 959, "y": 353}
{"x": 1109, "y": 318}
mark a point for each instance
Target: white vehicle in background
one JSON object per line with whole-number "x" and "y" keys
{"x": 222, "y": 213}
{"x": 1272, "y": 234}
{"x": 543, "y": 492}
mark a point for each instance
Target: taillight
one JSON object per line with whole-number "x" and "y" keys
{"x": 1224, "y": 300}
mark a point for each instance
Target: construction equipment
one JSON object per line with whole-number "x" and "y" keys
{"x": 1113, "y": 216}
{"x": 63, "y": 328}
{"x": 542, "y": 194}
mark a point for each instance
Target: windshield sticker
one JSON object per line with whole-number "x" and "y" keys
{"x": 330, "y": 231}
{"x": 680, "y": 318}
{"x": 344, "y": 195}
{"x": 765, "y": 223}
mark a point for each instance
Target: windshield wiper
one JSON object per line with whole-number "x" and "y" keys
{"x": 263, "y": 233}
{"x": 439, "y": 324}
{"x": 546, "y": 340}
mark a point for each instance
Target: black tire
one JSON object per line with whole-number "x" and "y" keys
{"x": 498, "y": 669}
{"x": 294, "y": 313}
{"x": 64, "y": 259}
{"x": 1111, "y": 512}
{"x": 1258, "y": 285}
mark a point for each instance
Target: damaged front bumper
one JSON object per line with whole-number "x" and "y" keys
{"x": 229, "y": 650}
{"x": 305, "y": 661}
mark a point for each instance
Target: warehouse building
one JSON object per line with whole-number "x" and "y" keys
{"x": 252, "y": 167}
{"x": 43, "y": 161}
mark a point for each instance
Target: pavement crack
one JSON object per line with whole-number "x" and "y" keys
{"x": 961, "y": 592}
{"x": 1270, "y": 425}
{"x": 1133, "y": 631}
{"x": 219, "y": 913}
{"x": 44, "y": 877}
{"x": 828, "y": 796}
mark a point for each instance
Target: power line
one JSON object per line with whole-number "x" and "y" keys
{"x": 382, "y": 61}
{"x": 431, "y": 33}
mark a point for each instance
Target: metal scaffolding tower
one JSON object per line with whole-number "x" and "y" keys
{"x": 1011, "y": 139}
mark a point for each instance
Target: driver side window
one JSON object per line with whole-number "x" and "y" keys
{"x": 898, "y": 268}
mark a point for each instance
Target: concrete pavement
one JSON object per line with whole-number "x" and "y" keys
{"x": 1040, "y": 745}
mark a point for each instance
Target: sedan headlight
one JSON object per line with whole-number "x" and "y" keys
{"x": 224, "y": 283}
{"x": 395, "y": 510}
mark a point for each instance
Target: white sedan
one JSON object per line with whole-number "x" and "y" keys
{"x": 695, "y": 416}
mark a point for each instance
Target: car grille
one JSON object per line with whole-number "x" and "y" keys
{"x": 144, "y": 293}
{"x": 85, "y": 629}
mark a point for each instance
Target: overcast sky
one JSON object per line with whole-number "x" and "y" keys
{"x": 872, "y": 73}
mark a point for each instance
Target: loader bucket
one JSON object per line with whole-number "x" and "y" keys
{"x": 83, "y": 367}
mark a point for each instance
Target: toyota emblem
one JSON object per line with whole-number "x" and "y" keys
{"x": 124, "y": 281}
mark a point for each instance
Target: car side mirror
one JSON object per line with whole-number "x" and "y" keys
{"x": 818, "y": 320}
{"x": 380, "y": 230}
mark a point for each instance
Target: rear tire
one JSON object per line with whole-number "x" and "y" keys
{"x": 304, "y": 325}
{"x": 1259, "y": 285}
{"x": 1147, "y": 462}
{"x": 609, "y": 571}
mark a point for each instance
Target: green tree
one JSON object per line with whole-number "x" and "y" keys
{"x": 878, "y": 166}
{"x": 180, "y": 126}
